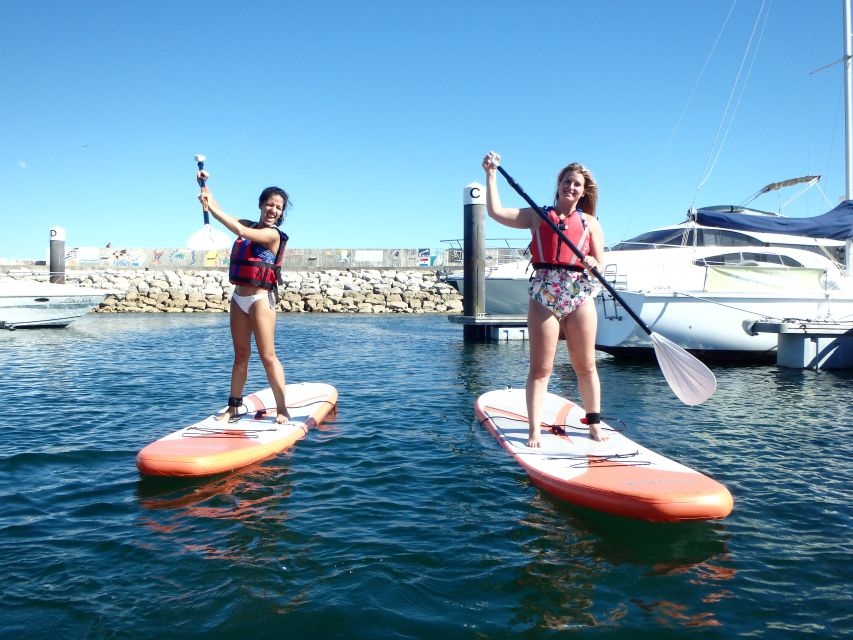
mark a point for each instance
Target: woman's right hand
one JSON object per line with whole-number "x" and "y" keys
{"x": 202, "y": 176}
{"x": 491, "y": 162}
{"x": 207, "y": 200}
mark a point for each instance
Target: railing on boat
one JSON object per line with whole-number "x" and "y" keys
{"x": 498, "y": 251}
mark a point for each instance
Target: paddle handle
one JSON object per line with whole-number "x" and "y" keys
{"x": 571, "y": 246}
{"x": 203, "y": 184}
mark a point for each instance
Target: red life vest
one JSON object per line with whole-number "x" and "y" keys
{"x": 548, "y": 249}
{"x": 250, "y": 264}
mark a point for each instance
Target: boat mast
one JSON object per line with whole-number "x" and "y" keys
{"x": 848, "y": 127}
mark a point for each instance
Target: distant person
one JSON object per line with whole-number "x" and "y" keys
{"x": 254, "y": 269}
{"x": 560, "y": 288}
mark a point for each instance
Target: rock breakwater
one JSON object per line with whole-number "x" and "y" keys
{"x": 332, "y": 291}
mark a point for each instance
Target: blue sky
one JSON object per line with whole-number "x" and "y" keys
{"x": 375, "y": 114}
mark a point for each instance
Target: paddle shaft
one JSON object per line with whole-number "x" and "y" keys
{"x": 202, "y": 182}
{"x": 571, "y": 246}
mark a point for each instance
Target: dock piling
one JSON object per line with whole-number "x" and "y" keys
{"x": 57, "y": 255}
{"x": 477, "y": 326}
{"x": 474, "y": 245}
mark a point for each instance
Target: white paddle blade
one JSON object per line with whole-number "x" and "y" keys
{"x": 208, "y": 238}
{"x": 689, "y": 379}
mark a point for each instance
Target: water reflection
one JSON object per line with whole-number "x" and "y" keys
{"x": 578, "y": 556}
{"x": 246, "y": 502}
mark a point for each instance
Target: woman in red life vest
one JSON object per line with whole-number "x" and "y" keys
{"x": 256, "y": 259}
{"x": 560, "y": 289}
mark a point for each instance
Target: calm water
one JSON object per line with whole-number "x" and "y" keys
{"x": 401, "y": 517}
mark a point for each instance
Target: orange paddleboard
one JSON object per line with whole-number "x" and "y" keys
{"x": 216, "y": 446}
{"x": 616, "y": 476}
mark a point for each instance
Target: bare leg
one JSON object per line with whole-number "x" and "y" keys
{"x": 241, "y": 337}
{"x": 544, "y": 332}
{"x": 263, "y": 326}
{"x": 579, "y": 328}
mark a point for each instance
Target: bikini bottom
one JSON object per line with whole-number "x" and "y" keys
{"x": 561, "y": 291}
{"x": 245, "y": 302}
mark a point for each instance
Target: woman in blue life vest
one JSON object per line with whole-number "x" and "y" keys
{"x": 560, "y": 288}
{"x": 254, "y": 268}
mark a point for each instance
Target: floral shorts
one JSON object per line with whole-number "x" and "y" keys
{"x": 561, "y": 291}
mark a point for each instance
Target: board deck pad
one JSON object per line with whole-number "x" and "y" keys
{"x": 213, "y": 446}
{"x": 617, "y": 476}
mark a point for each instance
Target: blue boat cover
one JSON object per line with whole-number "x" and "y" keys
{"x": 836, "y": 224}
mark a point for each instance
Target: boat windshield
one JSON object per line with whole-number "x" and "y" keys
{"x": 680, "y": 237}
{"x": 748, "y": 257}
{"x": 708, "y": 237}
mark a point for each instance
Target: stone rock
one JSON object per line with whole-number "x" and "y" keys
{"x": 333, "y": 291}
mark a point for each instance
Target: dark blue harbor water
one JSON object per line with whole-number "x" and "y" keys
{"x": 401, "y": 517}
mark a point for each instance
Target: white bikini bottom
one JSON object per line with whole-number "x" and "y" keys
{"x": 245, "y": 302}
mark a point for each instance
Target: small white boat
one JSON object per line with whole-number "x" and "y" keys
{"x": 31, "y": 304}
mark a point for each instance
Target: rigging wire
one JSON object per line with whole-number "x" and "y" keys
{"x": 699, "y": 79}
{"x": 719, "y": 143}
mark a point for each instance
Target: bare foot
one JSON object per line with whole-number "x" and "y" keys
{"x": 596, "y": 433}
{"x": 533, "y": 439}
{"x": 282, "y": 417}
{"x": 228, "y": 414}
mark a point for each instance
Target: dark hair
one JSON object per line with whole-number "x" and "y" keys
{"x": 267, "y": 193}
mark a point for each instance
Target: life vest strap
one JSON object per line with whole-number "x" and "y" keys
{"x": 560, "y": 267}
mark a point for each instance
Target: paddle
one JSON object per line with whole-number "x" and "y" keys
{"x": 688, "y": 378}
{"x": 207, "y": 237}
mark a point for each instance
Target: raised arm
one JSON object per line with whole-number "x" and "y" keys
{"x": 516, "y": 218}
{"x": 266, "y": 236}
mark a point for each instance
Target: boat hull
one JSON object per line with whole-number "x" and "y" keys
{"x": 30, "y": 305}
{"x": 713, "y": 325}
{"x": 506, "y": 288}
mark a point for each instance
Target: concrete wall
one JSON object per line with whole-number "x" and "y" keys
{"x": 294, "y": 259}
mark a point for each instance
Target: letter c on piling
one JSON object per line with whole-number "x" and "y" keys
{"x": 473, "y": 194}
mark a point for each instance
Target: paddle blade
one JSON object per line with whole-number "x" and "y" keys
{"x": 689, "y": 379}
{"x": 208, "y": 238}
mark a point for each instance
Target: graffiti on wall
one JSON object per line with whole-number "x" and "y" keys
{"x": 108, "y": 257}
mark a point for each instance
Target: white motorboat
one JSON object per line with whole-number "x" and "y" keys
{"x": 32, "y": 304}
{"x": 705, "y": 282}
